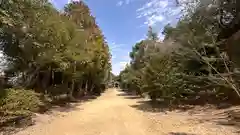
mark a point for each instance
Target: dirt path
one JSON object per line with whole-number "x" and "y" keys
{"x": 114, "y": 114}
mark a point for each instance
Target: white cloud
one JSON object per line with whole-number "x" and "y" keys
{"x": 120, "y": 3}
{"x": 123, "y": 64}
{"x": 158, "y": 11}
{"x": 72, "y": 0}
{"x": 115, "y": 47}
{"x": 114, "y": 57}
{"x": 119, "y": 66}
{"x": 120, "y": 56}
{"x": 124, "y": 2}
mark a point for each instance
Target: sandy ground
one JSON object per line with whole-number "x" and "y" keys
{"x": 116, "y": 114}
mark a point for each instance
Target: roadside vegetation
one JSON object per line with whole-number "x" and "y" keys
{"x": 196, "y": 63}
{"x": 47, "y": 55}
{"x": 50, "y": 55}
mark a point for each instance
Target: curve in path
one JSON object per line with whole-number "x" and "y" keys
{"x": 112, "y": 114}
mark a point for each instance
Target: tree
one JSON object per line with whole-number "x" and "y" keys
{"x": 39, "y": 42}
{"x": 152, "y": 35}
{"x": 192, "y": 63}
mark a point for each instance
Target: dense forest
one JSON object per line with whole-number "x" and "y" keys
{"x": 198, "y": 60}
{"x": 47, "y": 53}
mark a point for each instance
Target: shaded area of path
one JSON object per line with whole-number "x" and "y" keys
{"x": 115, "y": 113}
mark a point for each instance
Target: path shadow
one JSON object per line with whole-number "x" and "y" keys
{"x": 65, "y": 104}
{"x": 15, "y": 124}
{"x": 158, "y": 106}
{"x": 225, "y": 117}
{"x": 180, "y": 133}
{"x": 129, "y": 95}
{"x": 229, "y": 118}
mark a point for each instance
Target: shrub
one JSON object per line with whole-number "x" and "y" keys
{"x": 19, "y": 101}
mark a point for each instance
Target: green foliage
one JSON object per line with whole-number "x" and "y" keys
{"x": 52, "y": 52}
{"x": 19, "y": 101}
{"x": 44, "y": 40}
{"x": 192, "y": 63}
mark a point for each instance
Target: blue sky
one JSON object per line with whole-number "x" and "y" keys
{"x": 125, "y": 22}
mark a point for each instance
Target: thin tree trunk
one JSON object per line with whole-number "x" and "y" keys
{"x": 229, "y": 82}
{"x": 92, "y": 87}
{"x": 81, "y": 91}
{"x": 86, "y": 86}
{"x": 73, "y": 82}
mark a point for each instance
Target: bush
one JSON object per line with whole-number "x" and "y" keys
{"x": 57, "y": 90}
{"x": 19, "y": 102}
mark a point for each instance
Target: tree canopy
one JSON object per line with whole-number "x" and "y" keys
{"x": 37, "y": 40}
{"x": 195, "y": 61}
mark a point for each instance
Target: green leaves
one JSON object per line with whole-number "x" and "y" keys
{"x": 192, "y": 58}
{"x": 37, "y": 36}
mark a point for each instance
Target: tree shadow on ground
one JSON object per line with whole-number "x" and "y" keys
{"x": 225, "y": 117}
{"x": 180, "y": 133}
{"x": 64, "y": 104}
{"x": 230, "y": 118}
{"x": 15, "y": 124}
{"x": 129, "y": 95}
{"x": 201, "y": 114}
{"x": 158, "y": 106}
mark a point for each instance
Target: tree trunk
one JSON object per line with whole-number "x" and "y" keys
{"x": 86, "y": 86}
{"x": 73, "y": 82}
{"x": 91, "y": 89}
